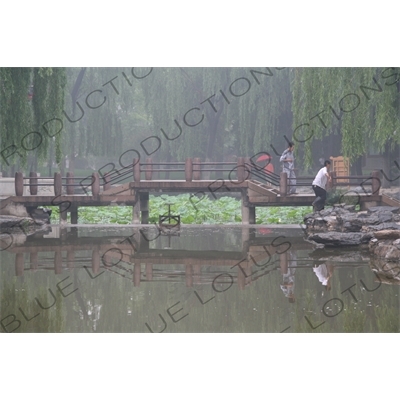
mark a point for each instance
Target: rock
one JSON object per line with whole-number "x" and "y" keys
{"x": 387, "y": 272}
{"x": 41, "y": 214}
{"x": 395, "y": 210}
{"x": 387, "y": 234}
{"x": 381, "y": 227}
{"x": 354, "y": 222}
{"x": 396, "y": 243}
{"x": 12, "y": 209}
{"x": 315, "y": 244}
{"x": 385, "y": 249}
{"x": 340, "y": 238}
{"x": 10, "y": 224}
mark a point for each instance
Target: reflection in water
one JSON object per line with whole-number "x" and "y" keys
{"x": 324, "y": 274}
{"x": 215, "y": 279}
{"x": 288, "y": 268}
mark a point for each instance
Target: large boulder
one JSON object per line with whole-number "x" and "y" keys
{"x": 353, "y": 222}
{"x": 386, "y": 248}
{"x": 395, "y": 210}
{"x": 340, "y": 238}
{"x": 381, "y": 227}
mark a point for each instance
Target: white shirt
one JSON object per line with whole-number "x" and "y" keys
{"x": 321, "y": 178}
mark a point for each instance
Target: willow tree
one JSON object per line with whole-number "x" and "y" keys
{"x": 29, "y": 98}
{"x": 216, "y": 112}
{"x": 354, "y": 108}
{"x": 101, "y": 113}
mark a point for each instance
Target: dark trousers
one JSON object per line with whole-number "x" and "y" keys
{"x": 320, "y": 193}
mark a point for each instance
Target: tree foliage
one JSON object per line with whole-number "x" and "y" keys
{"x": 211, "y": 113}
{"x": 359, "y": 105}
{"x": 20, "y": 114}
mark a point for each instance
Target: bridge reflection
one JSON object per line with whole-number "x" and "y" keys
{"x": 142, "y": 255}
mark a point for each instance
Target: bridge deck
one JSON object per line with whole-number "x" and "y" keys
{"x": 75, "y": 200}
{"x": 254, "y": 194}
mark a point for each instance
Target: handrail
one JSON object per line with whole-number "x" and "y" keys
{"x": 192, "y": 169}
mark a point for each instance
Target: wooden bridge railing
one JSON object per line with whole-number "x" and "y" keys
{"x": 70, "y": 183}
{"x": 345, "y": 181}
{"x": 192, "y": 170}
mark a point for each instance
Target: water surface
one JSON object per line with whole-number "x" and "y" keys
{"x": 202, "y": 279}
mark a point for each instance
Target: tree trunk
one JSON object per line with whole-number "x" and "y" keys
{"x": 356, "y": 168}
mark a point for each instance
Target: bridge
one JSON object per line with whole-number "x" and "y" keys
{"x": 132, "y": 184}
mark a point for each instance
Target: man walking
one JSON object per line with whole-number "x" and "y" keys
{"x": 288, "y": 166}
{"x": 319, "y": 186}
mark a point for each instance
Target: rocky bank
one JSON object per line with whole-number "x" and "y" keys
{"x": 377, "y": 229}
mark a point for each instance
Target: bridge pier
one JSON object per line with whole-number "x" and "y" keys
{"x": 136, "y": 209}
{"x": 144, "y": 207}
{"x": 248, "y": 212}
{"x": 140, "y": 213}
{"x": 74, "y": 215}
{"x": 63, "y": 215}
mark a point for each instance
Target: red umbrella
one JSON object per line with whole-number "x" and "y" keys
{"x": 268, "y": 166}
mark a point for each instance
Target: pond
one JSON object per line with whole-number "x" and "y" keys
{"x": 224, "y": 278}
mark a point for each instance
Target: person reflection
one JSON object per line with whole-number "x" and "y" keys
{"x": 288, "y": 264}
{"x": 324, "y": 274}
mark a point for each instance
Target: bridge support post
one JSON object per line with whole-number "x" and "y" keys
{"x": 33, "y": 183}
{"x": 63, "y": 215}
{"x": 136, "y": 170}
{"x": 149, "y": 169}
{"x": 240, "y": 169}
{"x": 70, "y": 181}
{"x": 248, "y": 212}
{"x": 245, "y": 210}
{"x": 144, "y": 207}
{"x": 95, "y": 184}
{"x": 136, "y": 209}
{"x": 19, "y": 184}
{"x": 196, "y": 169}
{"x": 376, "y": 182}
{"x": 252, "y": 215}
{"x": 283, "y": 184}
{"x": 74, "y": 215}
{"x": 188, "y": 170}
{"x": 57, "y": 184}
{"x": 106, "y": 180}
